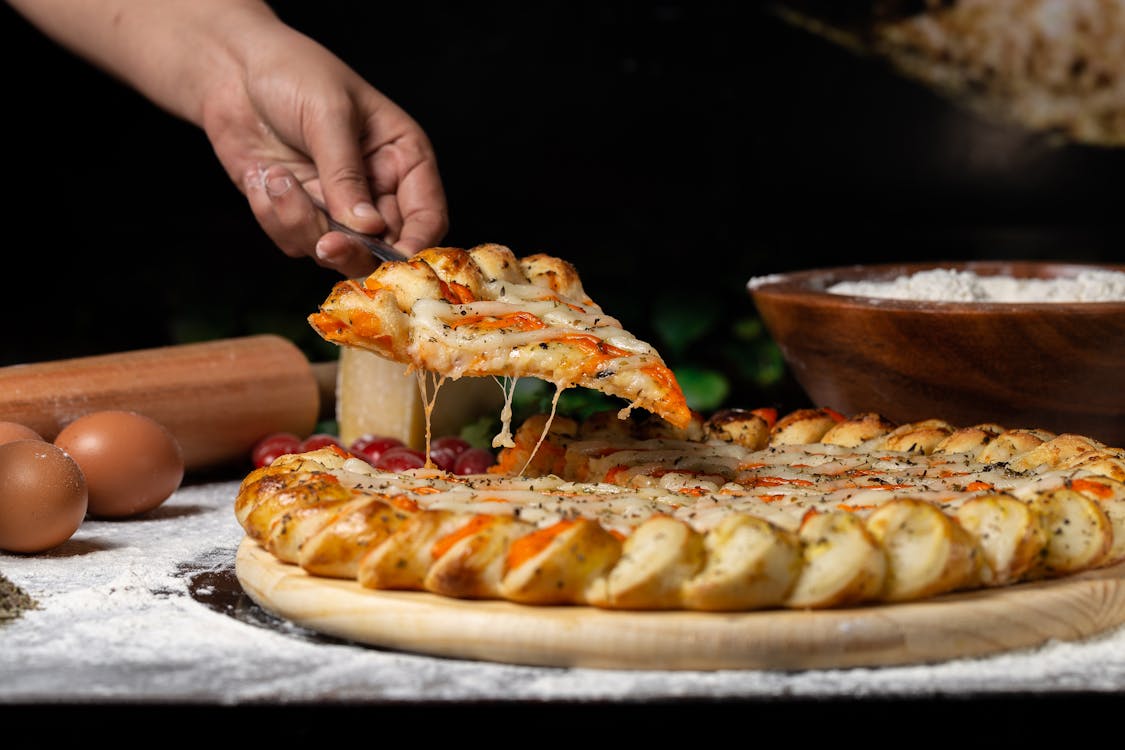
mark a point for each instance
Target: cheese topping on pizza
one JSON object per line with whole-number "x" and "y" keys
{"x": 741, "y": 511}
{"x": 484, "y": 312}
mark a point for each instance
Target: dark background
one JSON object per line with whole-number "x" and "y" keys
{"x": 685, "y": 147}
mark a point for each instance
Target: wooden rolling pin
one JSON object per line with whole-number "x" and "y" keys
{"x": 217, "y": 397}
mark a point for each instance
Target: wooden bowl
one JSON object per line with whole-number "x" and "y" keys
{"x": 1055, "y": 366}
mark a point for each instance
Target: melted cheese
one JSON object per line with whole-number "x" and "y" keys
{"x": 421, "y": 314}
{"x": 379, "y": 396}
{"x": 441, "y": 341}
{"x": 504, "y": 438}
{"x": 782, "y": 486}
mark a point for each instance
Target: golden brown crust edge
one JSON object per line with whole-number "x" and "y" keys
{"x": 906, "y": 550}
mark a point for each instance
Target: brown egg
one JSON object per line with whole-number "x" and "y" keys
{"x": 10, "y": 431}
{"x": 132, "y": 462}
{"x": 42, "y": 496}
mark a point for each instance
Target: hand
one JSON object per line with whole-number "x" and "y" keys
{"x": 290, "y": 122}
{"x": 298, "y": 125}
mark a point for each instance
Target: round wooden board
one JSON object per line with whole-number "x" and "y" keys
{"x": 974, "y": 623}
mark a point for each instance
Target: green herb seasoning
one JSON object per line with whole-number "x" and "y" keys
{"x": 13, "y": 600}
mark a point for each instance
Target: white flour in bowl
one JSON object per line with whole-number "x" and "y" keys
{"x": 947, "y": 285}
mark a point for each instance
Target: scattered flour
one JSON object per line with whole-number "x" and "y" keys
{"x": 115, "y": 623}
{"x": 947, "y": 285}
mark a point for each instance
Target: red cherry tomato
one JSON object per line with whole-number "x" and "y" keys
{"x": 443, "y": 457}
{"x": 319, "y": 440}
{"x": 400, "y": 458}
{"x": 474, "y": 461}
{"x": 371, "y": 447}
{"x": 273, "y": 445}
{"x": 457, "y": 445}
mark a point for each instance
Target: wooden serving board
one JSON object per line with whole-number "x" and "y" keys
{"x": 974, "y": 623}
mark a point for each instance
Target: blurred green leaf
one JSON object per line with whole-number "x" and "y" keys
{"x": 580, "y": 403}
{"x": 759, "y": 362}
{"x": 771, "y": 365}
{"x": 328, "y": 426}
{"x": 479, "y": 433}
{"x": 534, "y": 396}
{"x": 681, "y": 321}
{"x": 747, "y": 329}
{"x": 704, "y": 389}
{"x": 531, "y": 395}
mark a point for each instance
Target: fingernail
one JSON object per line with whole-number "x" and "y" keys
{"x": 322, "y": 252}
{"x": 278, "y": 185}
{"x": 364, "y": 210}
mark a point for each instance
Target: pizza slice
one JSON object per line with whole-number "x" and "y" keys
{"x": 451, "y": 313}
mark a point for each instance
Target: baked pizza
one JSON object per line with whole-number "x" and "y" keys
{"x": 448, "y": 312}
{"x": 742, "y": 510}
{"x": 662, "y": 508}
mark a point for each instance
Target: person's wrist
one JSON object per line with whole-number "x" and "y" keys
{"x": 233, "y": 34}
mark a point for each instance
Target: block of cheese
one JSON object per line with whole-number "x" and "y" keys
{"x": 377, "y": 395}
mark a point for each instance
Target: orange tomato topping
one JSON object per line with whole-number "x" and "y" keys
{"x": 1097, "y": 489}
{"x": 767, "y": 413}
{"x": 367, "y": 325}
{"x": 613, "y": 475}
{"x": 477, "y": 523}
{"x": 367, "y": 290}
{"x": 809, "y": 515}
{"x": 327, "y": 325}
{"x": 529, "y": 545}
{"x": 556, "y": 298}
{"x": 592, "y": 345}
{"x": 520, "y": 321}
{"x": 674, "y": 403}
{"x": 778, "y": 481}
{"x": 456, "y": 294}
{"x": 338, "y": 450}
{"x": 402, "y": 502}
{"x": 853, "y": 508}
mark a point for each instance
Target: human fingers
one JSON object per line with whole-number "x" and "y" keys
{"x": 276, "y": 201}
{"x": 344, "y": 254}
{"x": 334, "y": 144}
{"x": 422, "y": 202}
{"x": 388, "y": 207}
{"x": 291, "y": 219}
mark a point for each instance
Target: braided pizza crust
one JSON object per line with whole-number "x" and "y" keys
{"x": 485, "y": 312}
{"x": 738, "y": 512}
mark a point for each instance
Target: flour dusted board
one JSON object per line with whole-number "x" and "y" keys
{"x": 970, "y": 624}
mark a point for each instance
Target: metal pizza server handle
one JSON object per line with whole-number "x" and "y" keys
{"x": 379, "y": 247}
